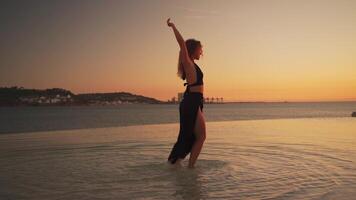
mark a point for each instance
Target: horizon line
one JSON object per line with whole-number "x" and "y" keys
{"x": 229, "y": 101}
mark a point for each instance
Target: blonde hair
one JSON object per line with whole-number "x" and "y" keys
{"x": 191, "y": 45}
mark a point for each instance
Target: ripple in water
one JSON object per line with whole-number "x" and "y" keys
{"x": 240, "y": 166}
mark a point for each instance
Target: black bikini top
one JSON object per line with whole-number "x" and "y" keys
{"x": 199, "y": 77}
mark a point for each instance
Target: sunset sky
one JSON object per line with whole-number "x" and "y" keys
{"x": 267, "y": 50}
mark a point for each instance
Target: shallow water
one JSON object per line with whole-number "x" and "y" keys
{"x": 261, "y": 159}
{"x": 51, "y": 118}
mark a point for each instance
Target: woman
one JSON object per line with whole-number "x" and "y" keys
{"x": 192, "y": 123}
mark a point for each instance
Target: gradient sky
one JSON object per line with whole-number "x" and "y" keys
{"x": 267, "y": 50}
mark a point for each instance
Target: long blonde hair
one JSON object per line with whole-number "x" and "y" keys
{"x": 191, "y": 45}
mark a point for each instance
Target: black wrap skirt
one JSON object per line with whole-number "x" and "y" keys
{"x": 188, "y": 110}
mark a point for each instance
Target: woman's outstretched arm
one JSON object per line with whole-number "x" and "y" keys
{"x": 179, "y": 37}
{"x": 183, "y": 49}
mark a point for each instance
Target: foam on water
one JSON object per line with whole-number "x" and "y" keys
{"x": 264, "y": 159}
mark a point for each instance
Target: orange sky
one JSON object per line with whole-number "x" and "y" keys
{"x": 253, "y": 50}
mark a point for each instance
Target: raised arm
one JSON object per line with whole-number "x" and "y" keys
{"x": 183, "y": 49}
{"x": 179, "y": 37}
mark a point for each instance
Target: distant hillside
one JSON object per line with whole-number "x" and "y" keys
{"x": 18, "y": 96}
{"x": 114, "y": 98}
{"x": 14, "y": 96}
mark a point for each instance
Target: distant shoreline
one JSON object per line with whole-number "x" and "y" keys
{"x": 19, "y": 96}
{"x": 351, "y": 101}
{"x": 166, "y": 103}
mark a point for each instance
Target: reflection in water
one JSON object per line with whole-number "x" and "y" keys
{"x": 266, "y": 159}
{"x": 187, "y": 183}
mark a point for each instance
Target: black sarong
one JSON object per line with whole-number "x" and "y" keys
{"x": 188, "y": 110}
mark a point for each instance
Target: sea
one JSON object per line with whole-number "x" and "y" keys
{"x": 252, "y": 151}
{"x": 34, "y": 119}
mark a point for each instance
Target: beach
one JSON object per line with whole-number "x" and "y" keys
{"x": 305, "y": 158}
{"x": 93, "y": 95}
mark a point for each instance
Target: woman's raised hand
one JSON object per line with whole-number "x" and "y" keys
{"x": 169, "y": 23}
{"x": 179, "y": 37}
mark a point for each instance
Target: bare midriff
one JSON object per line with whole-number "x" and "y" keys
{"x": 197, "y": 88}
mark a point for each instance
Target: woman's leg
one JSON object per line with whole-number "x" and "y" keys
{"x": 177, "y": 163}
{"x": 200, "y": 133}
